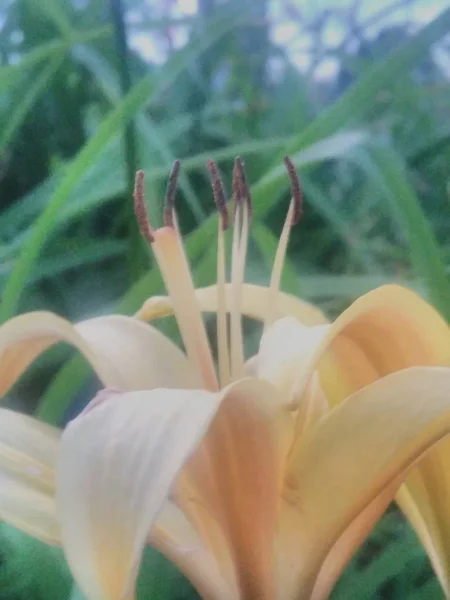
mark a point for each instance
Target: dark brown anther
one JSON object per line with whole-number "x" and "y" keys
{"x": 220, "y": 196}
{"x": 241, "y": 189}
{"x": 237, "y": 194}
{"x": 140, "y": 210}
{"x": 296, "y": 190}
{"x": 169, "y": 200}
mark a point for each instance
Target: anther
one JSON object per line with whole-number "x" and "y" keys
{"x": 236, "y": 185}
{"x": 296, "y": 191}
{"x": 220, "y": 196}
{"x": 169, "y": 200}
{"x": 140, "y": 210}
{"x": 241, "y": 189}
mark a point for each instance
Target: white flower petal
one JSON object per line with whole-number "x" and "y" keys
{"x": 123, "y": 351}
{"x": 28, "y": 453}
{"x": 117, "y": 465}
{"x": 176, "y": 538}
{"x": 285, "y": 351}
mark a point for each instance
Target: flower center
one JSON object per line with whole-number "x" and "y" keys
{"x": 169, "y": 252}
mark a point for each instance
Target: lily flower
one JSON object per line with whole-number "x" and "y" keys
{"x": 260, "y": 478}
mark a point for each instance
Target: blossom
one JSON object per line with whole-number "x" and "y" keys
{"x": 260, "y": 478}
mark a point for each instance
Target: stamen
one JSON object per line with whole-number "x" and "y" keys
{"x": 169, "y": 200}
{"x": 140, "y": 210}
{"x": 296, "y": 191}
{"x": 220, "y": 196}
{"x": 244, "y": 188}
{"x": 292, "y": 217}
{"x": 239, "y": 253}
{"x": 168, "y": 248}
{"x": 174, "y": 267}
{"x": 236, "y": 188}
{"x": 222, "y": 328}
{"x": 235, "y": 313}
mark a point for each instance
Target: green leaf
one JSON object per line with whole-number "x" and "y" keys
{"x": 133, "y": 102}
{"x": 54, "y": 11}
{"x": 391, "y": 177}
{"x": 152, "y": 138}
{"x": 339, "y": 223}
{"x": 31, "y": 569}
{"x": 28, "y": 100}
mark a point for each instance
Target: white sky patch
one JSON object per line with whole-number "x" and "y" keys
{"x": 152, "y": 46}
{"x": 148, "y": 47}
{"x": 287, "y": 31}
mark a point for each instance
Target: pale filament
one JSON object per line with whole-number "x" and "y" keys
{"x": 235, "y": 317}
{"x": 172, "y": 261}
{"x": 239, "y": 254}
{"x": 223, "y": 356}
{"x": 169, "y": 252}
{"x": 277, "y": 269}
{"x": 292, "y": 217}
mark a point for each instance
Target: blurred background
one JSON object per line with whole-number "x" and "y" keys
{"x": 355, "y": 91}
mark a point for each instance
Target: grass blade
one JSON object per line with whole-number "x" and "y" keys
{"x": 144, "y": 92}
{"x": 361, "y": 98}
{"x": 10, "y": 73}
{"x": 19, "y": 114}
{"x": 41, "y": 229}
{"x": 390, "y": 172}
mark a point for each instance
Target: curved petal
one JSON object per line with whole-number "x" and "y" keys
{"x": 138, "y": 356}
{"x": 175, "y": 537}
{"x": 388, "y": 329}
{"x": 376, "y": 435}
{"x": 28, "y": 453}
{"x": 343, "y": 550}
{"x": 428, "y": 513}
{"x": 118, "y": 463}
{"x": 124, "y": 352}
{"x": 235, "y": 477}
{"x": 255, "y": 299}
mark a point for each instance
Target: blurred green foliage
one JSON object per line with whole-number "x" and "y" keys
{"x": 80, "y": 112}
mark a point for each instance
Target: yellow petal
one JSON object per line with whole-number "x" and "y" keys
{"x": 254, "y": 304}
{"x": 234, "y": 477}
{"x": 28, "y": 453}
{"x": 388, "y": 329}
{"x": 424, "y": 500}
{"x": 375, "y": 437}
{"x": 117, "y": 466}
{"x": 175, "y": 537}
{"x": 312, "y": 407}
{"x": 344, "y": 548}
{"x": 124, "y": 352}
